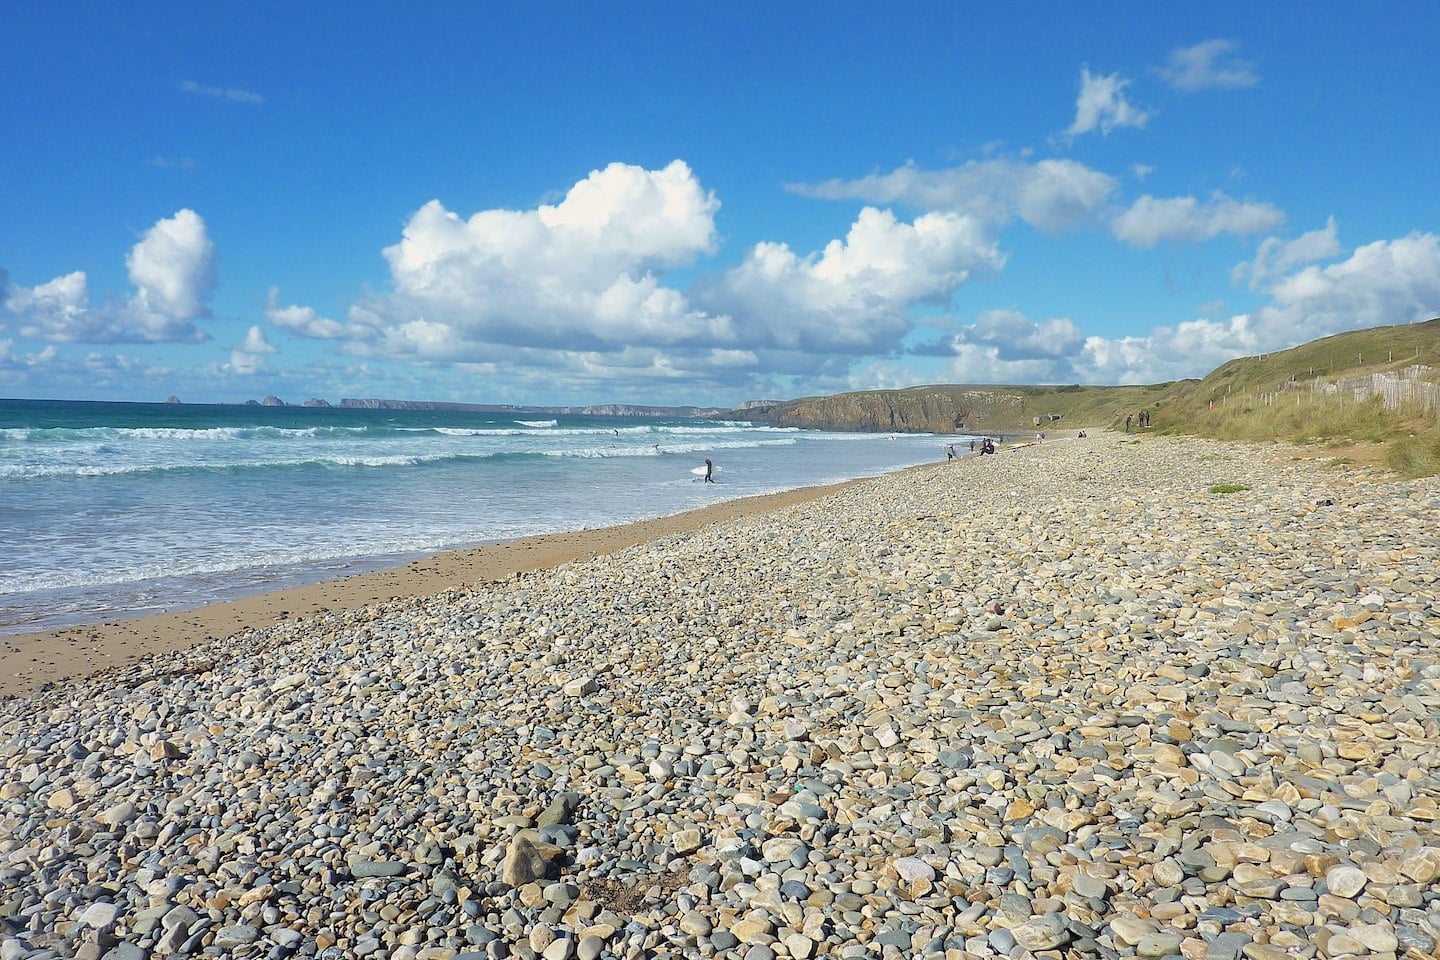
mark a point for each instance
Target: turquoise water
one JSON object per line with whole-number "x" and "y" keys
{"x": 125, "y": 509}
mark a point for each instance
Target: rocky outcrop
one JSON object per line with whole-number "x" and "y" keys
{"x": 880, "y": 411}
{"x": 316, "y": 402}
{"x": 272, "y": 401}
{"x": 916, "y": 410}
{"x": 172, "y": 399}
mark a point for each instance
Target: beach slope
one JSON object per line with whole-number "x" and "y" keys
{"x": 1063, "y": 700}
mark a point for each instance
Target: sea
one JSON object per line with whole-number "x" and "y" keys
{"x": 111, "y": 510}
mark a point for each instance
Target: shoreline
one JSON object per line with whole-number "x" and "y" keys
{"x": 1074, "y": 700}
{"x": 32, "y": 660}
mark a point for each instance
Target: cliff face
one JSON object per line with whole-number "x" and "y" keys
{"x": 901, "y": 411}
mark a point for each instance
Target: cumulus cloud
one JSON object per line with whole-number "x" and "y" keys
{"x": 1189, "y": 349}
{"x": 1383, "y": 283}
{"x": 852, "y": 296}
{"x": 579, "y": 288}
{"x": 1052, "y": 195}
{"x": 581, "y": 274}
{"x": 305, "y": 321}
{"x": 1275, "y": 257}
{"x": 1208, "y": 66}
{"x": 985, "y": 363}
{"x": 1152, "y": 220}
{"x": 232, "y": 94}
{"x": 173, "y": 269}
{"x": 248, "y": 356}
{"x": 15, "y": 363}
{"x": 1015, "y": 337}
{"x": 58, "y": 305}
{"x": 1102, "y": 104}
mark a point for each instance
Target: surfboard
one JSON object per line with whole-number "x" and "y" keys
{"x": 700, "y": 470}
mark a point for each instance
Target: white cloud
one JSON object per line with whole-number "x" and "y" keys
{"x": 173, "y": 269}
{"x": 161, "y": 162}
{"x": 1206, "y": 66}
{"x": 1151, "y": 220}
{"x": 304, "y": 321}
{"x": 578, "y": 288}
{"x": 581, "y": 274}
{"x": 1016, "y": 337}
{"x": 248, "y": 356}
{"x": 1189, "y": 349}
{"x": 982, "y": 363}
{"x": 1102, "y": 103}
{"x": 1275, "y": 256}
{"x": 1382, "y": 283}
{"x": 232, "y": 94}
{"x": 852, "y": 297}
{"x": 1051, "y": 195}
{"x": 58, "y": 305}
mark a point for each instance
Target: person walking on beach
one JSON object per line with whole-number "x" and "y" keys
{"x": 709, "y": 471}
{"x": 1128, "y": 418}
{"x": 950, "y": 453}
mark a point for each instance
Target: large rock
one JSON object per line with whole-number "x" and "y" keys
{"x": 527, "y": 859}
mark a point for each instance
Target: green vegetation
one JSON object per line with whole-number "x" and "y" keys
{"x": 1229, "y": 488}
{"x": 1268, "y": 397}
{"x": 1415, "y": 456}
{"x": 1271, "y": 397}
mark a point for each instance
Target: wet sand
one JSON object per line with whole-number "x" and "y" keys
{"x": 28, "y": 661}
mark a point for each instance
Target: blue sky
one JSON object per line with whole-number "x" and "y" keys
{"x": 700, "y": 203}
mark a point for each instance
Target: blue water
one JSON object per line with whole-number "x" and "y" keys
{"x": 125, "y": 509}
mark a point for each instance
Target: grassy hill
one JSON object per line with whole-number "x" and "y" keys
{"x": 1336, "y": 391}
{"x": 1330, "y": 391}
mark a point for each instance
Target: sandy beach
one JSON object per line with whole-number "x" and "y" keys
{"x": 1064, "y": 702}
{"x": 29, "y": 661}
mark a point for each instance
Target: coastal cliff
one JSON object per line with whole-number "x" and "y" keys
{"x": 914, "y": 410}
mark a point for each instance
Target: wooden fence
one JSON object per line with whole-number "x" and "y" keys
{"x": 1409, "y": 386}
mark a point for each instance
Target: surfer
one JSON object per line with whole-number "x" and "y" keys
{"x": 709, "y": 471}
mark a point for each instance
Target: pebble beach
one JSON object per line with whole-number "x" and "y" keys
{"x": 1061, "y": 702}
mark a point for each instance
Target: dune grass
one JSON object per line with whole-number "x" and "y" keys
{"x": 1410, "y": 435}
{"x": 1417, "y": 455}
